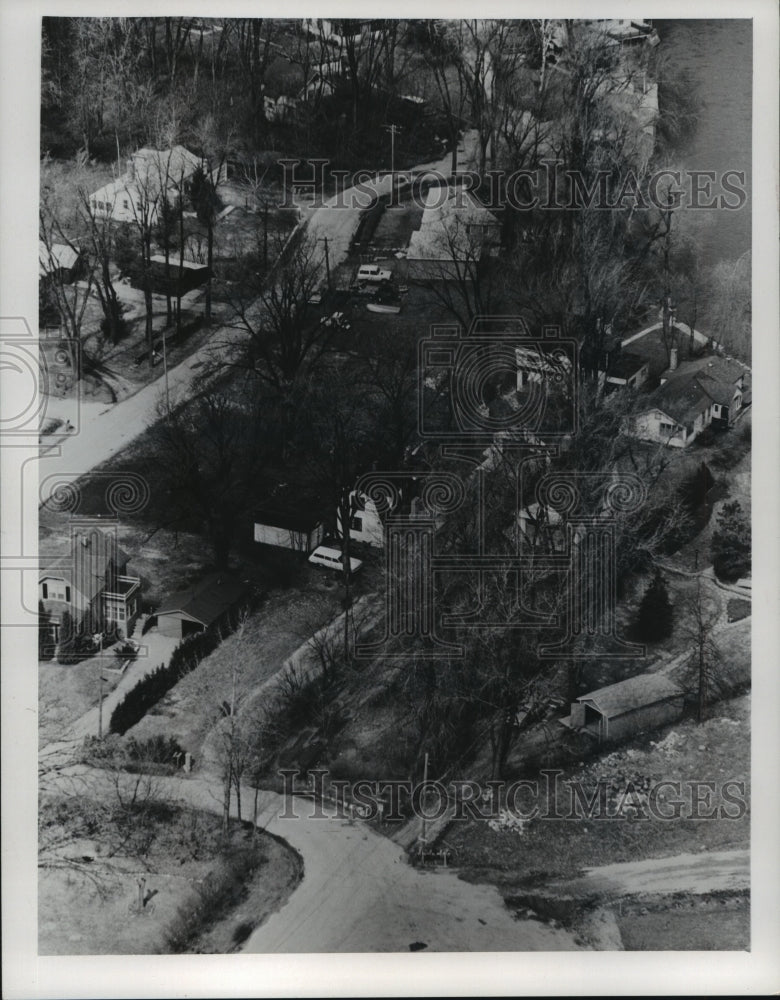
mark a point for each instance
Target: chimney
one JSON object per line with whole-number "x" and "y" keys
{"x": 673, "y": 359}
{"x": 131, "y": 168}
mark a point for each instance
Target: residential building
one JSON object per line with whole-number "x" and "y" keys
{"x": 151, "y": 175}
{"x": 366, "y": 523}
{"x": 59, "y": 261}
{"x": 92, "y": 579}
{"x": 297, "y": 528}
{"x": 627, "y": 370}
{"x": 456, "y": 231}
{"x": 176, "y": 277}
{"x": 691, "y": 397}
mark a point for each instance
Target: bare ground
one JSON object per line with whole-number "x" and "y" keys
{"x": 92, "y": 907}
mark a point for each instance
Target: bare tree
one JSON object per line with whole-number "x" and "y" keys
{"x": 697, "y": 626}
{"x": 209, "y": 455}
{"x": 284, "y": 338}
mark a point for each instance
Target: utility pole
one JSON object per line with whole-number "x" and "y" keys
{"x": 165, "y": 368}
{"x": 100, "y": 705}
{"x": 424, "y": 834}
{"x": 327, "y": 259}
{"x": 393, "y": 130}
{"x": 265, "y": 235}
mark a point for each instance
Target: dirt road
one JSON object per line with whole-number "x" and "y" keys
{"x": 702, "y": 873}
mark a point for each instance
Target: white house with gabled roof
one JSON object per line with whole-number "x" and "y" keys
{"x": 150, "y": 175}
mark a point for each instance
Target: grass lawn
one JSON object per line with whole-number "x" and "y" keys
{"x": 65, "y": 693}
{"x": 715, "y": 923}
{"x": 191, "y": 708}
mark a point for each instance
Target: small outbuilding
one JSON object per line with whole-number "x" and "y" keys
{"x": 176, "y": 277}
{"x": 297, "y": 528}
{"x": 59, "y": 262}
{"x": 200, "y": 606}
{"x": 622, "y": 710}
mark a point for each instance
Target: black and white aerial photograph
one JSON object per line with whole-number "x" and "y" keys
{"x": 388, "y": 485}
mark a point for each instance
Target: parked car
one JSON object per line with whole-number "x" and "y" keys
{"x": 331, "y": 559}
{"x": 373, "y": 273}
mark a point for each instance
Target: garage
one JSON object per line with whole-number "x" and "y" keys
{"x": 200, "y": 606}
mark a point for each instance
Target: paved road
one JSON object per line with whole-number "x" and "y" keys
{"x": 104, "y": 431}
{"x": 358, "y": 893}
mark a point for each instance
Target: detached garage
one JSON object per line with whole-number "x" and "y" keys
{"x": 622, "y": 710}
{"x": 200, "y": 606}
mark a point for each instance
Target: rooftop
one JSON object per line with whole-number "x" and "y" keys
{"x": 207, "y": 600}
{"x": 691, "y": 387}
{"x": 290, "y": 519}
{"x": 636, "y": 692}
{"x": 58, "y": 257}
{"x": 453, "y": 224}
{"x": 625, "y": 365}
{"x": 93, "y": 556}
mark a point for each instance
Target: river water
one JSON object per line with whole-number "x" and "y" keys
{"x": 718, "y": 56}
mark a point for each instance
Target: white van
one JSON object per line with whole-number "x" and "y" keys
{"x": 331, "y": 559}
{"x": 372, "y": 272}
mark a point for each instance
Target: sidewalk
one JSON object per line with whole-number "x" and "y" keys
{"x": 155, "y": 649}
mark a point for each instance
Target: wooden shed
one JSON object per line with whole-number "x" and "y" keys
{"x": 200, "y": 606}
{"x": 622, "y": 710}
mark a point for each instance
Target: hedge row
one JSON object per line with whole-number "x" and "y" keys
{"x": 185, "y": 657}
{"x": 147, "y": 692}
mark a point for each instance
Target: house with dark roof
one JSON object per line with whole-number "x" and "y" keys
{"x": 201, "y": 606}
{"x": 92, "y": 579}
{"x": 620, "y": 711}
{"x": 151, "y": 175}
{"x": 691, "y": 397}
{"x": 627, "y": 370}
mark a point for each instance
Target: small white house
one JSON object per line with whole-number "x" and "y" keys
{"x": 150, "y": 175}
{"x": 365, "y": 524}
{"x": 689, "y": 399}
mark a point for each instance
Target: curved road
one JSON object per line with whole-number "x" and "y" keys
{"x": 358, "y": 893}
